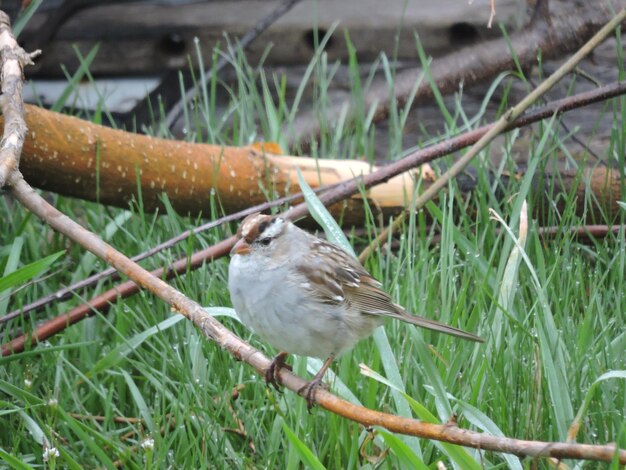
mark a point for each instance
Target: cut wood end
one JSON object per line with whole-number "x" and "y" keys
{"x": 397, "y": 192}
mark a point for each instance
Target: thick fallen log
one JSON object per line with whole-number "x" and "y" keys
{"x": 80, "y": 159}
{"x": 76, "y": 158}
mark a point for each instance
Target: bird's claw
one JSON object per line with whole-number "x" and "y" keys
{"x": 308, "y": 391}
{"x": 272, "y": 376}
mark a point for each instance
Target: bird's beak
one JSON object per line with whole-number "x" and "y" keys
{"x": 240, "y": 248}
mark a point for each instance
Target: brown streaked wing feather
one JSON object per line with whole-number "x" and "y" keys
{"x": 369, "y": 298}
{"x": 329, "y": 280}
{"x": 322, "y": 283}
{"x": 345, "y": 280}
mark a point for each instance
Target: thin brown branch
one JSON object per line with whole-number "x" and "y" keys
{"x": 584, "y": 231}
{"x": 102, "y": 302}
{"x": 340, "y": 192}
{"x": 410, "y": 161}
{"x": 567, "y": 129}
{"x": 214, "y": 330}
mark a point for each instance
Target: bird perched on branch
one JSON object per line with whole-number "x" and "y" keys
{"x": 306, "y": 296}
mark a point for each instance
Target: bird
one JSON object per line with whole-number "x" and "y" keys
{"x": 307, "y": 296}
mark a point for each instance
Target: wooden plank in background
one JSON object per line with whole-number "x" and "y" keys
{"x": 140, "y": 38}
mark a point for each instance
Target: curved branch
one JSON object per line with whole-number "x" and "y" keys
{"x": 241, "y": 350}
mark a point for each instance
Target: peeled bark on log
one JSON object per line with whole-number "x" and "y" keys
{"x": 76, "y": 158}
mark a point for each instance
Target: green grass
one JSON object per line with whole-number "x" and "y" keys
{"x": 552, "y": 312}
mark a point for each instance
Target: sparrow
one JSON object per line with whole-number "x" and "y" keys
{"x": 306, "y": 296}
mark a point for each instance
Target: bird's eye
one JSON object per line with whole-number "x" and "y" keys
{"x": 265, "y": 241}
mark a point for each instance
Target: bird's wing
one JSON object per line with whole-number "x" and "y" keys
{"x": 330, "y": 272}
{"x": 337, "y": 278}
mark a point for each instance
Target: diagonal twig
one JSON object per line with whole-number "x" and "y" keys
{"x": 214, "y": 330}
{"x": 412, "y": 160}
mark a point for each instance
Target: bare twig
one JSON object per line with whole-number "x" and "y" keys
{"x": 264, "y": 23}
{"x": 102, "y": 302}
{"x": 212, "y": 329}
{"x": 584, "y": 231}
{"x": 572, "y": 135}
{"x": 508, "y": 117}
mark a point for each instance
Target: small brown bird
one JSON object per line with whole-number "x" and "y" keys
{"x": 306, "y": 296}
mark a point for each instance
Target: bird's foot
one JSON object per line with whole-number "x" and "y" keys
{"x": 272, "y": 376}
{"x": 308, "y": 391}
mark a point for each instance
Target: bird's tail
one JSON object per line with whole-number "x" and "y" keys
{"x": 435, "y": 325}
